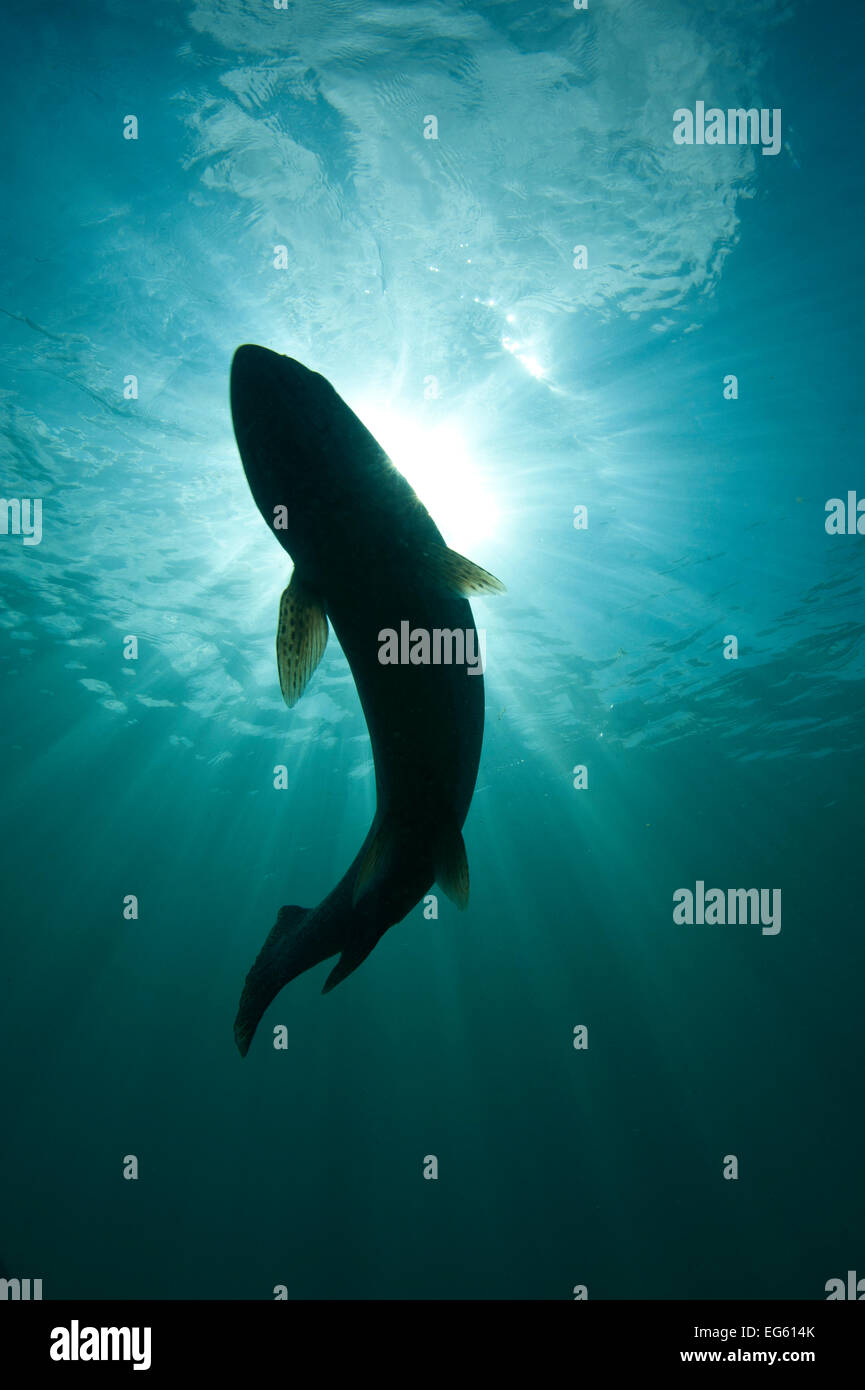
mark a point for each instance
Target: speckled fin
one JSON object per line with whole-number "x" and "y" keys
{"x": 301, "y": 637}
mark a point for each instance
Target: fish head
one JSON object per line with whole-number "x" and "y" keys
{"x": 297, "y": 440}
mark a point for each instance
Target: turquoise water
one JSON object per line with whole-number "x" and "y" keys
{"x": 432, "y": 281}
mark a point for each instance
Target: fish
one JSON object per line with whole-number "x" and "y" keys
{"x": 368, "y": 559}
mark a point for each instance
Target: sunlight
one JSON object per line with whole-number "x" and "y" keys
{"x": 531, "y": 363}
{"x": 438, "y": 464}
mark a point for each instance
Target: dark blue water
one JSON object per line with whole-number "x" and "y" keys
{"x": 432, "y": 281}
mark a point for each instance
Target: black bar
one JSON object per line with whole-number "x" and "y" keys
{"x": 377, "y": 1340}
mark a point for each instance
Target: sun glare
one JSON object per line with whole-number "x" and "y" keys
{"x": 438, "y": 464}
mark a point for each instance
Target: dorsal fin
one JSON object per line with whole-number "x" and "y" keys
{"x": 456, "y": 574}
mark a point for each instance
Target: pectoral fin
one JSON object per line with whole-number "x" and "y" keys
{"x": 301, "y": 637}
{"x": 457, "y": 574}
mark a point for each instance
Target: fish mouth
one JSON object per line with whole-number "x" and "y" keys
{"x": 253, "y": 366}
{"x": 250, "y": 365}
{"x": 266, "y": 386}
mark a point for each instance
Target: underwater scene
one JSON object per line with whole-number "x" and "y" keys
{"x": 454, "y": 894}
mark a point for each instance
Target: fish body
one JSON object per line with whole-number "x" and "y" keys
{"x": 368, "y": 559}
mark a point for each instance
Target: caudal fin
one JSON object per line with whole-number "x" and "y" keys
{"x": 285, "y": 954}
